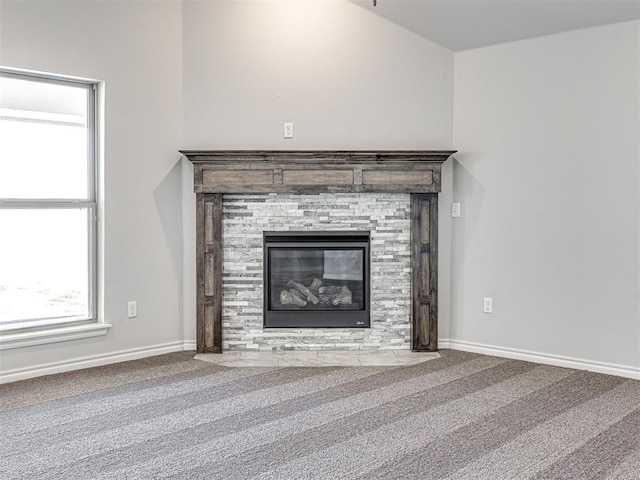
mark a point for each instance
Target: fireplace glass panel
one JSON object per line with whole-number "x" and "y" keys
{"x": 315, "y": 279}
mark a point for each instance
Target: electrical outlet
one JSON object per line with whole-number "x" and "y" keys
{"x": 132, "y": 309}
{"x": 288, "y": 130}
{"x": 455, "y": 210}
{"x": 488, "y": 305}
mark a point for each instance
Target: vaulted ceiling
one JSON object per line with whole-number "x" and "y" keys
{"x": 465, "y": 24}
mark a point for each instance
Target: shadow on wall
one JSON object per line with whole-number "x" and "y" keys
{"x": 168, "y": 200}
{"x": 471, "y": 194}
{"x": 468, "y": 191}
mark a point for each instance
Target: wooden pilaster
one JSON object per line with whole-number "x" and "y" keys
{"x": 209, "y": 273}
{"x": 424, "y": 266}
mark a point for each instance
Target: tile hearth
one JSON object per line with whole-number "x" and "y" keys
{"x": 321, "y": 358}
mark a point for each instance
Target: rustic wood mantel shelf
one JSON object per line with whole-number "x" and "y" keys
{"x": 322, "y": 171}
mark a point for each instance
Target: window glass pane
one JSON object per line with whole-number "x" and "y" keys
{"x": 44, "y": 265}
{"x": 43, "y": 140}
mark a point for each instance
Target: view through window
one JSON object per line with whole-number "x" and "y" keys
{"x": 47, "y": 201}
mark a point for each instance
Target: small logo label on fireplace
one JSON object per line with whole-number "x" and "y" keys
{"x": 359, "y": 323}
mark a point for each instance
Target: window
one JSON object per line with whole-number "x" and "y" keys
{"x": 48, "y": 201}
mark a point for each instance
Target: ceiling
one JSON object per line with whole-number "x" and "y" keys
{"x": 465, "y": 24}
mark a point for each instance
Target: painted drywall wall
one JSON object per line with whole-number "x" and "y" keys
{"x": 547, "y": 175}
{"x": 548, "y": 178}
{"x": 345, "y": 77}
{"x": 135, "y": 48}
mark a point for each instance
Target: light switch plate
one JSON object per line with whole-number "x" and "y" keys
{"x": 132, "y": 309}
{"x": 488, "y": 305}
{"x": 455, "y": 210}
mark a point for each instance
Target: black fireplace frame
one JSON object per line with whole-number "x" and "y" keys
{"x": 320, "y": 318}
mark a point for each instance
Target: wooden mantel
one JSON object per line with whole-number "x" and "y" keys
{"x": 323, "y": 171}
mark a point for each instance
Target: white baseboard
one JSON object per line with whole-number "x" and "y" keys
{"x": 137, "y": 353}
{"x": 544, "y": 358}
{"x": 93, "y": 361}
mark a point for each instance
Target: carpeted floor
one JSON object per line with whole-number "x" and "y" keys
{"x": 461, "y": 416}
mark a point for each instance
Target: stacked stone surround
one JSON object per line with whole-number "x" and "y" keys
{"x": 246, "y": 217}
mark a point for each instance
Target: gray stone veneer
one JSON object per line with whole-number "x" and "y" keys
{"x": 246, "y": 217}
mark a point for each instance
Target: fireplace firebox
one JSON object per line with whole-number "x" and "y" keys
{"x": 316, "y": 279}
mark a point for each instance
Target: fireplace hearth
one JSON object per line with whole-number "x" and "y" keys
{"x": 316, "y": 279}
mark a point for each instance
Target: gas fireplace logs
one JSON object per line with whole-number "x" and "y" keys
{"x": 300, "y": 295}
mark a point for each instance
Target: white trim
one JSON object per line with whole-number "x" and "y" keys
{"x": 92, "y": 361}
{"x": 444, "y": 343}
{"x": 544, "y": 358}
{"x": 47, "y": 76}
{"x": 52, "y": 335}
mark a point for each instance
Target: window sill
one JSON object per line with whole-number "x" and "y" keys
{"x": 52, "y": 335}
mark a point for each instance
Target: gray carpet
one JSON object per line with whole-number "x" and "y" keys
{"x": 462, "y": 416}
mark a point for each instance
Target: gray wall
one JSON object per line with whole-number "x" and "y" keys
{"x": 547, "y": 175}
{"x": 347, "y": 79}
{"x": 135, "y": 47}
{"x": 548, "y": 178}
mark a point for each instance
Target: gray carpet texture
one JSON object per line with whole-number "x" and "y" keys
{"x": 462, "y": 416}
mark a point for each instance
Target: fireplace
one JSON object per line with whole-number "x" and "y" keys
{"x": 316, "y": 279}
{"x": 246, "y": 175}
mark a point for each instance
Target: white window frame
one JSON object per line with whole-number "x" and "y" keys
{"x": 42, "y": 331}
